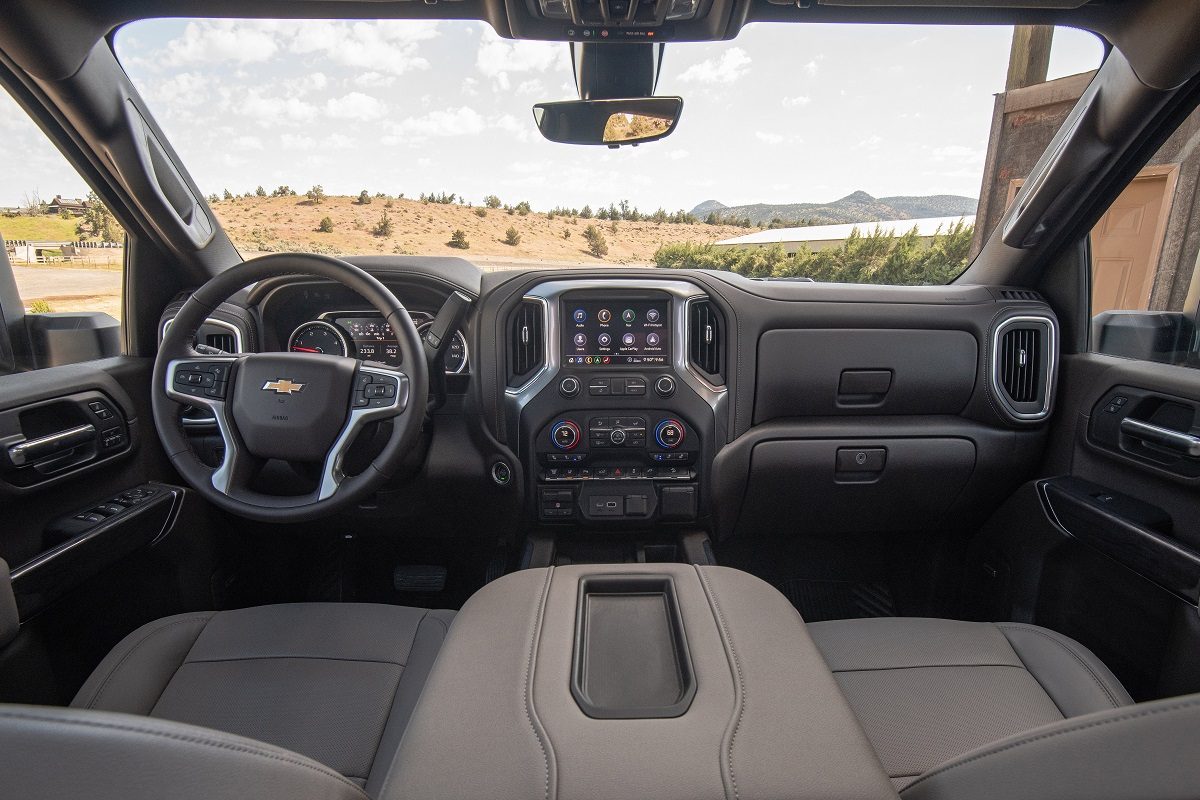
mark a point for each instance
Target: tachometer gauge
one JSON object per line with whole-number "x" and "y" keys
{"x": 456, "y": 356}
{"x": 319, "y": 337}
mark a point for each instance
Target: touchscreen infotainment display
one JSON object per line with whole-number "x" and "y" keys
{"x": 604, "y": 333}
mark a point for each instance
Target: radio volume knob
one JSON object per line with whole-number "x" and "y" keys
{"x": 569, "y": 386}
{"x": 665, "y": 386}
{"x": 669, "y": 434}
{"x": 564, "y": 434}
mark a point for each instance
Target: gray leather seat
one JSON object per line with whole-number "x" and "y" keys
{"x": 929, "y": 690}
{"x": 335, "y": 682}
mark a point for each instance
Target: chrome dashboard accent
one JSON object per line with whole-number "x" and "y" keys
{"x": 1051, "y": 366}
{"x": 549, "y": 294}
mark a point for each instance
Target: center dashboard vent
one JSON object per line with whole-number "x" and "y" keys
{"x": 526, "y": 342}
{"x": 1024, "y": 366}
{"x": 221, "y": 341}
{"x": 705, "y": 340}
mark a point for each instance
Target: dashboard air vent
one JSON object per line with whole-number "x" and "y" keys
{"x": 1025, "y": 352}
{"x": 704, "y": 339}
{"x": 1020, "y": 294}
{"x": 526, "y": 342}
{"x": 221, "y": 341}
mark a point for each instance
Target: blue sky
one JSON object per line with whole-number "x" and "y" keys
{"x": 785, "y": 113}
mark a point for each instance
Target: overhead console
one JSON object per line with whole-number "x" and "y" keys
{"x": 615, "y": 417}
{"x": 620, "y": 20}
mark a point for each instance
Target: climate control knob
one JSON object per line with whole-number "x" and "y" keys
{"x": 669, "y": 434}
{"x": 564, "y": 434}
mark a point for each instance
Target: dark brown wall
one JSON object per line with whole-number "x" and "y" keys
{"x": 1023, "y": 123}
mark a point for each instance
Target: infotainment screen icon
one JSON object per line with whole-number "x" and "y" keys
{"x": 616, "y": 332}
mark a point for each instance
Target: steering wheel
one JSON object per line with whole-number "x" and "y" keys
{"x": 297, "y": 407}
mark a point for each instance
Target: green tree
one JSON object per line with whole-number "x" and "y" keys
{"x": 364, "y": 198}
{"x": 98, "y": 222}
{"x": 597, "y": 244}
{"x": 227, "y": 195}
{"x": 586, "y": 212}
{"x": 458, "y": 240}
{"x": 260, "y": 192}
{"x": 326, "y": 225}
{"x": 491, "y": 201}
{"x": 283, "y": 191}
{"x": 384, "y": 226}
{"x": 512, "y": 236}
{"x": 316, "y": 195}
{"x": 523, "y": 208}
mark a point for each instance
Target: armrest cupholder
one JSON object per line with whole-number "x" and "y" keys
{"x": 630, "y": 658}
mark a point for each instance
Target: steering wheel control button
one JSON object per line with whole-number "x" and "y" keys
{"x": 501, "y": 473}
{"x": 569, "y": 386}
{"x": 565, "y": 434}
{"x": 664, "y": 386}
{"x": 378, "y": 392}
{"x": 669, "y": 434}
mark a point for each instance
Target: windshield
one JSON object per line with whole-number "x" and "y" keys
{"x": 838, "y": 153}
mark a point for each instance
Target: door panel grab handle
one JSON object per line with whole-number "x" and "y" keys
{"x": 1180, "y": 442}
{"x": 25, "y": 452}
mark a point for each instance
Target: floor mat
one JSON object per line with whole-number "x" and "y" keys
{"x": 818, "y": 600}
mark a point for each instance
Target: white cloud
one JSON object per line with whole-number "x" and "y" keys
{"x": 531, "y": 86}
{"x": 726, "y": 68}
{"x": 956, "y": 152}
{"x": 768, "y": 138}
{"x": 870, "y": 143}
{"x": 292, "y": 141}
{"x": 268, "y": 109}
{"x": 183, "y": 90}
{"x": 246, "y": 143}
{"x": 214, "y": 41}
{"x": 678, "y": 155}
{"x": 337, "y": 141}
{"x": 810, "y": 69}
{"x": 463, "y": 121}
{"x": 372, "y": 80}
{"x": 387, "y": 46}
{"x": 499, "y": 58}
{"x": 355, "y": 106}
{"x": 799, "y": 101}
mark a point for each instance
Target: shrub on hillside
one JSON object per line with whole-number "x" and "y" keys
{"x": 259, "y": 191}
{"x": 228, "y": 195}
{"x": 481, "y": 212}
{"x": 364, "y": 198}
{"x": 458, "y": 240}
{"x": 316, "y": 195}
{"x": 512, "y": 236}
{"x": 384, "y": 226}
{"x": 491, "y": 201}
{"x": 523, "y": 208}
{"x": 283, "y": 191}
{"x": 597, "y": 244}
{"x": 874, "y": 257}
{"x": 326, "y": 225}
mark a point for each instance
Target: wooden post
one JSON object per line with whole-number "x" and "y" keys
{"x": 1029, "y": 58}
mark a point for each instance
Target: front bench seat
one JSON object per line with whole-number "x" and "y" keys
{"x": 335, "y": 682}
{"x": 929, "y": 690}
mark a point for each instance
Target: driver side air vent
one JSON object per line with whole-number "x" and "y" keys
{"x": 526, "y": 342}
{"x": 1025, "y": 351}
{"x": 221, "y": 341}
{"x": 705, "y": 340}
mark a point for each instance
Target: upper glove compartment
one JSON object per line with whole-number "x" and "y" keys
{"x": 830, "y": 372}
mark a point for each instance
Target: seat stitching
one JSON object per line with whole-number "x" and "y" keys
{"x": 292, "y": 658}
{"x": 1083, "y": 663}
{"x": 928, "y": 666}
{"x": 737, "y": 665}
{"x": 180, "y": 737}
{"x": 117, "y": 667}
{"x": 1074, "y": 728}
{"x": 529, "y": 712}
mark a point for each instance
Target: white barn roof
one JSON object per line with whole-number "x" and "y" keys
{"x": 837, "y": 233}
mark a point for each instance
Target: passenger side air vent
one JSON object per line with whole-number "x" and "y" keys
{"x": 526, "y": 342}
{"x": 705, "y": 339}
{"x": 1020, "y": 294}
{"x": 1025, "y": 351}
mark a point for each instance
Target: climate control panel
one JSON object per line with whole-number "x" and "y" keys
{"x": 617, "y": 466}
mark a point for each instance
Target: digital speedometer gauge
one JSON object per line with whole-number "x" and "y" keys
{"x": 319, "y": 337}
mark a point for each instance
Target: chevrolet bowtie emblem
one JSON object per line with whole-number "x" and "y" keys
{"x": 282, "y": 386}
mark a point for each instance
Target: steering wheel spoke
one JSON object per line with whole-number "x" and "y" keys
{"x": 379, "y": 393}
{"x": 207, "y": 382}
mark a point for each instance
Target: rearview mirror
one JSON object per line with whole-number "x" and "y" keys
{"x": 608, "y": 122}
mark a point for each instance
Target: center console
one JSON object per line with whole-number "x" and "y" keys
{"x": 663, "y": 681}
{"x": 619, "y": 427}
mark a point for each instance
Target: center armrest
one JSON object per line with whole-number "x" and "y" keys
{"x": 675, "y": 682}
